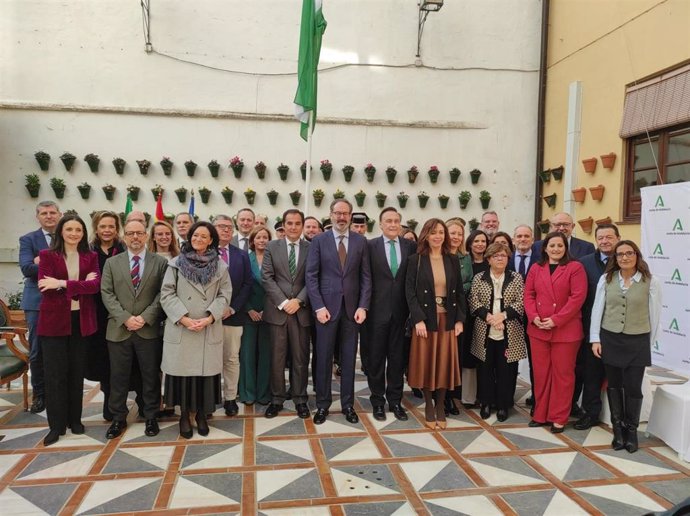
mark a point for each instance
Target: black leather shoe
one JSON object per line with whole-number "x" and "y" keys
{"x": 502, "y": 414}
{"x": 151, "y": 429}
{"x": 379, "y": 413}
{"x": 273, "y": 410}
{"x": 38, "y": 405}
{"x": 201, "y": 424}
{"x": 557, "y": 429}
{"x": 77, "y": 428}
{"x": 231, "y": 408}
{"x": 116, "y": 429}
{"x": 320, "y": 416}
{"x": 338, "y": 371}
{"x": 485, "y": 411}
{"x": 51, "y": 438}
{"x": 302, "y": 410}
{"x": 585, "y": 422}
{"x": 399, "y": 412}
{"x": 535, "y": 424}
{"x": 351, "y": 415}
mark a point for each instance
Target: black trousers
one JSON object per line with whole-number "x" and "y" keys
{"x": 64, "y": 359}
{"x": 593, "y": 376}
{"x": 385, "y": 361}
{"x": 580, "y": 367}
{"x": 627, "y": 378}
{"x": 496, "y": 377}
{"x": 148, "y": 353}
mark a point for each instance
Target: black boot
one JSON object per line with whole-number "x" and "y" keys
{"x": 617, "y": 411}
{"x": 633, "y": 406}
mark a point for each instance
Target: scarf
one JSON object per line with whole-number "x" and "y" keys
{"x": 198, "y": 268}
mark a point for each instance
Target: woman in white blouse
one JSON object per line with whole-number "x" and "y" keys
{"x": 625, "y": 317}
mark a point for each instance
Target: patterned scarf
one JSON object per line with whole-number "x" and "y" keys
{"x": 198, "y": 268}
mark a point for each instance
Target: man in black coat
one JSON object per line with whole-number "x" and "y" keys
{"x": 563, "y": 223}
{"x": 385, "y": 346}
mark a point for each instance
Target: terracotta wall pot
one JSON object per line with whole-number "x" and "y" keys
{"x": 608, "y": 160}
{"x": 590, "y": 165}
{"x": 586, "y": 224}
{"x": 605, "y": 220}
{"x": 579, "y": 194}
{"x": 597, "y": 192}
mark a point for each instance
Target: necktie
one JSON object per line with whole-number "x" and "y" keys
{"x": 394, "y": 258}
{"x": 521, "y": 268}
{"x": 292, "y": 261}
{"x": 224, "y": 254}
{"x": 342, "y": 253}
{"x": 136, "y": 279}
{"x": 49, "y": 238}
{"x": 244, "y": 244}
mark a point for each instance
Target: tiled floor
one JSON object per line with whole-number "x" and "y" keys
{"x": 285, "y": 466}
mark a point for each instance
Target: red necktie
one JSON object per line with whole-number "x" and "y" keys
{"x": 136, "y": 279}
{"x": 224, "y": 254}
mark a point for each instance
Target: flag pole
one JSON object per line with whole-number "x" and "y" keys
{"x": 308, "y": 171}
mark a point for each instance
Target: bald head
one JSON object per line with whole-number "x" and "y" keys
{"x": 136, "y": 215}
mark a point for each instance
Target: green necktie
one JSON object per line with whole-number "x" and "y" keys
{"x": 394, "y": 258}
{"x": 292, "y": 262}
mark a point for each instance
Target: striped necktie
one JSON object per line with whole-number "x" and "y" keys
{"x": 292, "y": 261}
{"x": 136, "y": 278}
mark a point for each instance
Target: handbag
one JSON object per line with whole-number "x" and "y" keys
{"x": 408, "y": 321}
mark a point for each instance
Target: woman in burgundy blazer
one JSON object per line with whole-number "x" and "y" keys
{"x": 555, "y": 291}
{"x": 66, "y": 318}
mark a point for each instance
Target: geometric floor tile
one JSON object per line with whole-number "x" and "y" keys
{"x": 543, "y": 503}
{"x": 470, "y": 505}
{"x": 436, "y": 475}
{"x": 378, "y": 509}
{"x": 288, "y": 484}
{"x": 671, "y": 455}
{"x": 595, "y": 436}
{"x": 675, "y": 491}
{"x": 474, "y": 441}
{"x": 169, "y": 430}
{"x": 635, "y": 464}
{"x": 70, "y": 440}
{"x": 49, "y": 498}
{"x": 7, "y": 462}
{"x": 206, "y": 490}
{"x": 410, "y": 445}
{"x": 297, "y": 511}
{"x": 569, "y": 466}
{"x": 532, "y": 438}
{"x": 350, "y": 448}
{"x": 337, "y": 425}
{"x": 391, "y": 423}
{"x": 212, "y": 456}
{"x": 126, "y": 460}
{"x": 505, "y": 471}
{"x": 18, "y": 438}
{"x": 619, "y": 499}
{"x": 222, "y": 429}
{"x": 13, "y": 503}
{"x": 364, "y": 480}
{"x": 132, "y": 494}
{"x": 461, "y": 421}
{"x": 283, "y": 452}
{"x": 279, "y": 426}
{"x": 59, "y": 465}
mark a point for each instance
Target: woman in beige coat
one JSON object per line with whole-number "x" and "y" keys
{"x": 195, "y": 292}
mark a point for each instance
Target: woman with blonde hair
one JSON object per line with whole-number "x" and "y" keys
{"x": 162, "y": 240}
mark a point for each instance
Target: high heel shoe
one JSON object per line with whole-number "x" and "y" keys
{"x": 201, "y": 424}
{"x": 442, "y": 424}
{"x": 185, "y": 426}
{"x": 430, "y": 424}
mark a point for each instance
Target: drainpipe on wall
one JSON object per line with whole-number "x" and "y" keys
{"x": 541, "y": 115}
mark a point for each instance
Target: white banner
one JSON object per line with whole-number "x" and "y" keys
{"x": 666, "y": 248}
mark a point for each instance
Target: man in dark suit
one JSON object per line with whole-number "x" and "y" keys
{"x": 339, "y": 288}
{"x": 563, "y": 223}
{"x": 48, "y": 215}
{"x": 235, "y": 315}
{"x": 130, "y": 289}
{"x": 183, "y": 222}
{"x": 386, "y": 318}
{"x": 245, "y": 224}
{"x": 287, "y": 311}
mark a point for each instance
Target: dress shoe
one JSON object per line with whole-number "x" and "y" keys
{"x": 379, "y": 413}
{"x": 273, "y": 410}
{"x": 320, "y": 416}
{"x": 231, "y": 408}
{"x": 557, "y": 429}
{"x": 38, "y": 405}
{"x": 338, "y": 371}
{"x": 430, "y": 424}
{"x": 485, "y": 411}
{"x": 576, "y": 411}
{"x": 442, "y": 424}
{"x": 52, "y": 437}
{"x": 450, "y": 407}
{"x": 535, "y": 424}
{"x": 502, "y": 414}
{"x": 77, "y": 428}
{"x": 399, "y": 412}
{"x": 586, "y": 422}
{"x": 529, "y": 401}
{"x": 151, "y": 428}
{"x": 350, "y": 415}
{"x": 302, "y": 410}
{"x": 186, "y": 426}
{"x": 417, "y": 393}
{"x": 116, "y": 429}
{"x": 202, "y": 424}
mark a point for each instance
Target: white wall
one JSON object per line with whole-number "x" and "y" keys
{"x": 74, "y": 76}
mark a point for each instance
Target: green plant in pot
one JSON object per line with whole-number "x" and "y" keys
{"x": 412, "y": 224}
{"x": 205, "y": 194}
{"x": 156, "y": 191}
{"x": 412, "y": 174}
{"x": 550, "y": 200}
{"x": 260, "y": 168}
{"x": 68, "y": 160}
{"x": 443, "y": 201}
{"x": 166, "y": 165}
{"x": 250, "y": 195}
{"x": 303, "y": 170}
{"x": 227, "y": 194}
{"x": 390, "y": 174}
{"x": 84, "y": 190}
{"x": 58, "y": 185}
{"x": 348, "y": 171}
{"x": 43, "y": 160}
{"x": 360, "y": 197}
{"x": 190, "y": 167}
{"x": 370, "y": 225}
{"x": 433, "y": 173}
{"x": 557, "y": 173}
{"x": 402, "y": 199}
{"x": 272, "y": 197}
{"x": 545, "y": 175}
{"x": 464, "y": 199}
{"x": 474, "y": 175}
{"x": 133, "y": 191}
{"x": 237, "y": 165}
{"x": 93, "y": 161}
{"x": 214, "y": 168}
{"x": 295, "y": 197}
{"x": 283, "y": 171}
{"x": 181, "y": 194}
{"x": 423, "y": 198}
{"x": 485, "y": 199}
{"x": 326, "y": 169}
{"x": 144, "y": 166}
{"x": 14, "y": 300}
{"x": 474, "y": 223}
{"x": 381, "y": 199}
{"x": 338, "y": 194}
{"x": 32, "y": 184}
{"x": 454, "y": 174}
{"x": 370, "y": 171}
{"x": 109, "y": 191}
{"x": 318, "y": 196}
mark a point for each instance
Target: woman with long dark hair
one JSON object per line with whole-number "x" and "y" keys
{"x": 625, "y": 318}
{"x": 476, "y": 245}
{"x": 69, "y": 279}
{"x": 196, "y": 290}
{"x": 438, "y": 309}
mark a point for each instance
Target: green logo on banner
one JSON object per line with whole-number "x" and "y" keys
{"x": 656, "y": 345}
{"x": 674, "y": 325}
{"x": 658, "y": 250}
{"x": 678, "y": 226}
{"x": 676, "y": 276}
{"x": 659, "y": 202}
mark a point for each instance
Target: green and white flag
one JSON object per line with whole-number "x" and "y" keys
{"x": 312, "y": 29}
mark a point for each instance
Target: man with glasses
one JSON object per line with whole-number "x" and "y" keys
{"x": 339, "y": 287}
{"x": 563, "y": 223}
{"x": 130, "y": 289}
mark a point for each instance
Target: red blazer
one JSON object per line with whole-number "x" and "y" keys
{"x": 54, "y": 318}
{"x": 559, "y": 296}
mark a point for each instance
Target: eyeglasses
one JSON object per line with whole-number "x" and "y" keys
{"x": 224, "y": 227}
{"x": 135, "y": 233}
{"x": 341, "y": 213}
{"x": 626, "y": 254}
{"x": 562, "y": 224}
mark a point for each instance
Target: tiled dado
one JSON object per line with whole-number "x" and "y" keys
{"x": 285, "y": 466}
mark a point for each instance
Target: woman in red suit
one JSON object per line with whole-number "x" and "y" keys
{"x": 555, "y": 291}
{"x": 69, "y": 279}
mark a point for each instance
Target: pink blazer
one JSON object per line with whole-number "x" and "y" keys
{"x": 559, "y": 296}
{"x": 54, "y": 318}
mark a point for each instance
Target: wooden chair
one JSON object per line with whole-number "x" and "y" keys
{"x": 14, "y": 362}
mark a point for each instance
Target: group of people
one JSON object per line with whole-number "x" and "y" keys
{"x": 211, "y": 317}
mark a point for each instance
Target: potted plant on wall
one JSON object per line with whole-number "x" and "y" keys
{"x": 227, "y": 194}
{"x": 454, "y": 174}
{"x": 402, "y": 199}
{"x": 443, "y": 201}
{"x": 181, "y": 194}
{"x": 283, "y": 171}
{"x": 214, "y": 168}
{"x": 412, "y": 174}
{"x": 156, "y": 191}
{"x": 58, "y": 185}
{"x": 348, "y": 171}
{"x": 380, "y": 199}
{"x": 133, "y": 191}
{"x": 391, "y": 173}
{"x": 303, "y": 169}
{"x": 550, "y": 200}
{"x": 166, "y": 165}
{"x": 144, "y": 165}
{"x": 423, "y": 198}
{"x": 272, "y": 197}
{"x": 190, "y": 167}
{"x": 84, "y": 190}
{"x": 359, "y": 198}
{"x": 205, "y": 194}
{"x": 597, "y": 192}
{"x": 32, "y": 184}
{"x": 370, "y": 171}
{"x": 433, "y": 173}
{"x": 295, "y": 197}
{"x": 250, "y": 195}
{"x": 464, "y": 199}
{"x": 590, "y": 165}
{"x": 473, "y": 223}
{"x": 485, "y": 199}
{"x": 119, "y": 165}
{"x": 109, "y": 191}
{"x": 93, "y": 161}
{"x": 579, "y": 194}
{"x": 260, "y": 168}
{"x": 474, "y": 175}
{"x": 545, "y": 175}
{"x": 68, "y": 160}
{"x": 326, "y": 169}
{"x": 608, "y": 160}
{"x": 43, "y": 160}
{"x": 338, "y": 194}
{"x": 411, "y": 223}
{"x": 557, "y": 173}
{"x": 586, "y": 224}
{"x": 236, "y": 164}
{"x": 318, "y": 196}
{"x": 544, "y": 226}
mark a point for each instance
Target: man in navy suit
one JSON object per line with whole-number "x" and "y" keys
{"x": 339, "y": 289}
{"x": 563, "y": 223}
{"x": 48, "y": 215}
{"x": 385, "y": 339}
{"x": 235, "y": 316}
